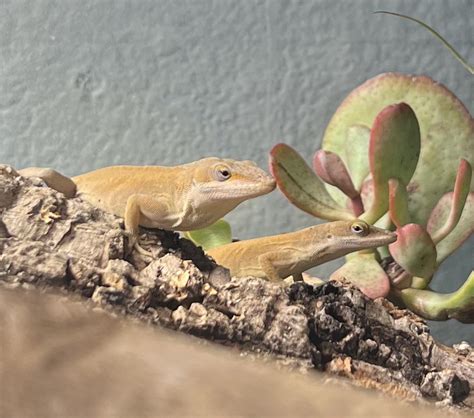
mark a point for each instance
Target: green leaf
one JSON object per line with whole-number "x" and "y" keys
{"x": 414, "y": 251}
{"x": 219, "y": 233}
{"x": 385, "y": 223}
{"x": 363, "y": 270}
{"x": 462, "y": 231}
{"x": 357, "y": 155}
{"x": 302, "y": 186}
{"x": 438, "y": 306}
{"x": 398, "y": 203}
{"x": 394, "y": 150}
{"x": 367, "y": 192}
{"x": 459, "y": 196}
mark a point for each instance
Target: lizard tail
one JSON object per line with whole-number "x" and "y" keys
{"x": 52, "y": 178}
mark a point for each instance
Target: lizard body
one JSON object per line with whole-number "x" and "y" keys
{"x": 185, "y": 197}
{"x": 280, "y": 256}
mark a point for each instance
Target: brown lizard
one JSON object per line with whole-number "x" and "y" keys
{"x": 181, "y": 198}
{"x": 280, "y": 256}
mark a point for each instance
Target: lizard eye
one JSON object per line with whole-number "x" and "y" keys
{"x": 360, "y": 228}
{"x": 222, "y": 173}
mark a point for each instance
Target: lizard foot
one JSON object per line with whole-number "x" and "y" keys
{"x": 134, "y": 244}
{"x": 140, "y": 250}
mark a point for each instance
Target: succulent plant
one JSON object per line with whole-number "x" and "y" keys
{"x": 215, "y": 235}
{"x": 397, "y": 153}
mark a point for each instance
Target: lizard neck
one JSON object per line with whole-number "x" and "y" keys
{"x": 199, "y": 210}
{"x": 317, "y": 250}
{"x": 319, "y": 244}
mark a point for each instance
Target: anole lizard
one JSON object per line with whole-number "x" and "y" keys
{"x": 280, "y": 256}
{"x": 181, "y": 198}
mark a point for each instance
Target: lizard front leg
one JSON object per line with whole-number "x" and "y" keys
{"x": 141, "y": 208}
{"x": 267, "y": 265}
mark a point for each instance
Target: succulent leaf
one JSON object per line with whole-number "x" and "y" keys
{"x": 357, "y": 155}
{"x": 414, "y": 251}
{"x": 302, "y": 186}
{"x": 215, "y": 235}
{"x": 438, "y": 306}
{"x": 385, "y": 223}
{"x": 463, "y": 230}
{"x": 363, "y": 270}
{"x": 330, "y": 168}
{"x": 417, "y": 282}
{"x": 459, "y": 196}
{"x": 398, "y": 202}
{"x": 394, "y": 150}
{"x": 442, "y": 118}
{"x": 367, "y": 192}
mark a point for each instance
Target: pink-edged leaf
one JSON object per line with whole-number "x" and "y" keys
{"x": 440, "y": 306}
{"x": 461, "y": 232}
{"x": 459, "y": 196}
{"x": 302, "y": 186}
{"x": 330, "y": 168}
{"x": 398, "y": 202}
{"x": 415, "y": 251}
{"x": 393, "y": 153}
{"x": 356, "y": 154}
{"x": 357, "y": 206}
{"x": 364, "y": 271}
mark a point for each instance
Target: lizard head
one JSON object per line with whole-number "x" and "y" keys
{"x": 230, "y": 180}
{"x": 343, "y": 237}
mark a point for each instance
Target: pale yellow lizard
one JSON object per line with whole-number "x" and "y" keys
{"x": 280, "y": 256}
{"x": 180, "y": 198}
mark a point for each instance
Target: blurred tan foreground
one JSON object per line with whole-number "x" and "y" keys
{"x": 61, "y": 359}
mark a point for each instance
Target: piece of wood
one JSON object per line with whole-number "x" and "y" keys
{"x": 48, "y": 241}
{"x": 61, "y": 359}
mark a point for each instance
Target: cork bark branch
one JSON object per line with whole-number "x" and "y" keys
{"x": 52, "y": 242}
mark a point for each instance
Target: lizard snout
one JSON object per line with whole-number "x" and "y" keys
{"x": 392, "y": 235}
{"x": 271, "y": 184}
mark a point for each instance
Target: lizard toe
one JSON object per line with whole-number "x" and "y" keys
{"x": 139, "y": 249}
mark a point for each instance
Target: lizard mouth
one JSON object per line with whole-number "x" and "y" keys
{"x": 385, "y": 238}
{"x": 244, "y": 190}
{"x": 269, "y": 185}
{"x": 373, "y": 240}
{"x": 260, "y": 188}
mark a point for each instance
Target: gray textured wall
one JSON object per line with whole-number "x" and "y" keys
{"x": 86, "y": 84}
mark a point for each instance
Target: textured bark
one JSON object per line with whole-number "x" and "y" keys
{"x": 49, "y": 241}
